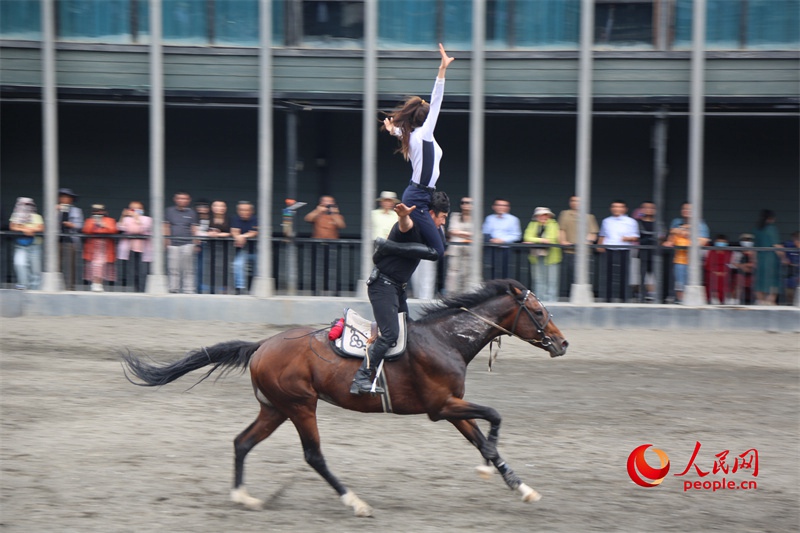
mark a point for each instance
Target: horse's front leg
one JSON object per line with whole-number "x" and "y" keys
{"x": 462, "y": 415}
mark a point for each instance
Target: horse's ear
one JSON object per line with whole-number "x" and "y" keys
{"x": 513, "y": 290}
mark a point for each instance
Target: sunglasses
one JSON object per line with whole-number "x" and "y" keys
{"x": 466, "y": 202}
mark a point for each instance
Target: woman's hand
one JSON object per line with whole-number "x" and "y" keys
{"x": 446, "y": 60}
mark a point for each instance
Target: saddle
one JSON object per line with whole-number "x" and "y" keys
{"x": 359, "y": 333}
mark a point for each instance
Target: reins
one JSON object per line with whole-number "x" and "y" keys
{"x": 545, "y": 341}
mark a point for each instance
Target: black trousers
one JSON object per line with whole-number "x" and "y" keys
{"x": 617, "y": 262}
{"x": 387, "y": 299}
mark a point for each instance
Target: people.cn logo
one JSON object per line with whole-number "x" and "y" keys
{"x": 639, "y": 469}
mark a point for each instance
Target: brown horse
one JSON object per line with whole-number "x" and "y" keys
{"x": 292, "y": 370}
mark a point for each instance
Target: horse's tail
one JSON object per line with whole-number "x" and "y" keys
{"x": 226, "y": 355}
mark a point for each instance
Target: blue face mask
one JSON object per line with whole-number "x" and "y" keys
{"x": 720, "y": 243}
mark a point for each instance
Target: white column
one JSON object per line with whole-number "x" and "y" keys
{"x": 581, "y": 290}
{"x": 52, "y": 278}
{"x": 157, "y": 279}
{"x": 694, "y": 293}
{"x": 369, "y": 140}
{"x": 264, "y": 283}
{"x": 476, "y": 138}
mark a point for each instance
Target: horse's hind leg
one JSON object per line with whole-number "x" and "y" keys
{"x": 269, "y": 419}
{"x": 305, "y": 420}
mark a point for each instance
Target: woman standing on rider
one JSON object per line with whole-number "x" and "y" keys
{"x": 413, "y": 123}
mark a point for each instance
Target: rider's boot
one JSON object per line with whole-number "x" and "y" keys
{"x": 415, "y": 250}
{"x": 362, "y": 382}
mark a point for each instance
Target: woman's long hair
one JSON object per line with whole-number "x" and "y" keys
{"x": 408, "y": 116}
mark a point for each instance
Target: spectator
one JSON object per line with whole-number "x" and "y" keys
{"x": 686, "y": 219}
{"x": 546, "y": 260}
{"x": 767, "y": 262}
{"x": 718, "y": 272}
{"x": 180, "y": 224}
{"x": 71, "y": 225}
{"x": 98, "y": 253}
{"x": 618, "y": 231}
{"x": 791, "y": 260}
{"x": 744, "y": 263}
{"x": 568, "y": 224}
{"x": 326, "y": 219}
{"x": 459, "y": 230}
{"x": 501, "y": 228}
{"x": 244, "y": 226}
{"x": 135, "y": 254}
{"x": 384, "y": 217}
{"x": 203, "y": 210}
{"x": 219, "y": 228}
{"x": 28, "y": 246}
{"x": 327, "y": 222}
{"x": 680, "y": 237}
{"x": 219, "y": 225}
{"x": 648, "y": 240}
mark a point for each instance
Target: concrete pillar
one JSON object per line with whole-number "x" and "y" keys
{"x": 694, "y": 293}
{"x": 157, "y": 279}
{"x": 476, "y": 138}
{"x": 581, "y": 291}
{"x": 369, "y": 141}
{"x": 52, "y": 278}
{"x": 264, "y": 283}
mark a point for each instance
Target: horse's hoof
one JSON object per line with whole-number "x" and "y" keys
{"x": 360, "y": 507}
{"x": 528, "y": 494}
{"x": 484, "y": 471}
{"x": 241, "y": 496}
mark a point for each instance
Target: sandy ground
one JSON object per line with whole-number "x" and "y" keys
{"x": 84, "y": 450}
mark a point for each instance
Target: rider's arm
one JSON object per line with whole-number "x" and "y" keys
{"x": 404, "y": 222}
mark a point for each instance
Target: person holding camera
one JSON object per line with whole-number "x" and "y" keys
{"x": 326, "y": 219}
{"x": 135, "y": 253}
{"x": 98, "y": 253}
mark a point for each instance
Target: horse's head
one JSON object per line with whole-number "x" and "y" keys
{"x": 533, "y": 323}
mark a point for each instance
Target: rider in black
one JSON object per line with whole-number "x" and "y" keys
{"x": 395, "y": 260}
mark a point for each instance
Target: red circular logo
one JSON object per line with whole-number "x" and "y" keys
{"x": 638, "y": 468}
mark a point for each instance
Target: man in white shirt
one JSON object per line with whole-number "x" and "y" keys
{"x": 617, "y": 230}
{"x": 500, "y": 228}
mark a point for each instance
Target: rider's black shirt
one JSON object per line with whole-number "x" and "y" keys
{"x": 397, "y": 267}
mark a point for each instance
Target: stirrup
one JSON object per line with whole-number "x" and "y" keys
{"x": 370, "y": 388}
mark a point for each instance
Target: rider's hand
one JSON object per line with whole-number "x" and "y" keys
{"x": 403, "y": 210}
{"x": 446, "y": 60}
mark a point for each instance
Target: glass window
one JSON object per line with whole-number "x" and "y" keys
{"x": 456, "y": 25}
{"x": 185, "y": 21}
{"x": 626, "y": 23}
{"x": 538, "y": 24}
{"x": 407, "y": 23}
{"x": 20, "y": 19}
{"x": 333, "y": 23}
{"x": 742, "y": 24}
{"x": 106, "y": 21}
{"x": 236, "y": 22}
{"x": 773, "y": 24}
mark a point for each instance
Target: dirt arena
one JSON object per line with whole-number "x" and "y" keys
{"x": 83, "y": 450}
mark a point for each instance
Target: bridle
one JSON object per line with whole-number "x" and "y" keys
{"x": 545, "y": 341}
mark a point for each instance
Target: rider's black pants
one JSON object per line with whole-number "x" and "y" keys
{"x": 387, "y": 299}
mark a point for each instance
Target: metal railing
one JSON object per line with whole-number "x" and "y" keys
{"x": 321, "y": 267}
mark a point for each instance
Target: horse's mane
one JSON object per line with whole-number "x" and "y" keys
{"x": 487, "y": 290}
